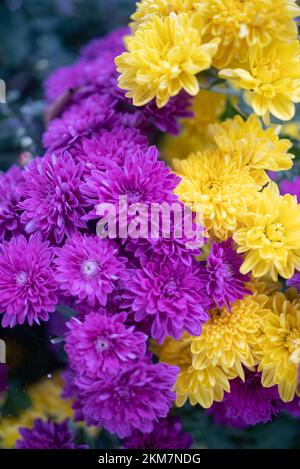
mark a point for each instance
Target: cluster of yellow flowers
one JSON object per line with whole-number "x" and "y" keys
{"x": 227, "y": 182}
{"x": 252, "y": 44}
{"x": 228, "y": 179}
{"x": 260, "y": 331}
{"x": 224, "y": 166}
{"x": 209, "y": 361}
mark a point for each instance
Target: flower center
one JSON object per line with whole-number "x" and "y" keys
{"x": 170, "y": 287}
{"x": 213, "y": 186}
{"x": 101, "y": 344}
{"x": 227, "y": 270}
{"x": 275, "y": 232}
{"x": 267, "y": 71}
{"x": 124, "y": 394}
{"x": 89, "y": 268}
{"x": 216, "y": 313}
{"x": 21, "y": 278}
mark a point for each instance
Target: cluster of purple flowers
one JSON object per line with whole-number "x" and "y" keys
{"x": 27, "y": 283}
{"x": 97, "y": 149}
{"x": 122, "y": 292}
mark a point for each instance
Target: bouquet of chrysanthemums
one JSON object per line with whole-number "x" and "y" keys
{"x": 152, "y": 236}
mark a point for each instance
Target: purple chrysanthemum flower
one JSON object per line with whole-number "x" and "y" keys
{"x": 116, "y": 298}
{"x": 88, "y": 267}
{"x": 248, "y": 403}
{"x": 73, "y": 84}
{"x": 164, "y": 248}
{"x": 80, "y": 120}
{"x": 142, "y": 179}
{"x": 47, "y": 435}
{"x": 167, "y": 118}
{"x": 69, "y": 77}
{"x": 172, "y": 294}
{"x": 101, "y": 77}
{"x": 3, "y": 377}
{"x": 225, "y": 283}
{"x": 27, "y": 285}
{"x": 69, "y": 388}
{"x": 291, "y": 187}
{"x": 10, "y": 224}
{"x": 70, "y": 391}
{"x": 103, "y": 343}
{"x": 132, "y": 398}
{"x": 82, "y": 309}
{"x": 114, "y": 145}
{"x": 95, "y": 74}
{"x": 143, "y": 326}
{"x": 51, "y": 197}
{"x": 183, "y": 241}
{"x": 113, "y": 306}
{"x": 149, "y": 118}
{"x": 166, "y": 434}
{"x": 219, "y": 413}
{"x": 293, "y": 408}
{"x": 113, "y": 42}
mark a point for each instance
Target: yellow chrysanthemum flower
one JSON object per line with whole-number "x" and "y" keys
{"x": 198, "y": 386}
{"x": 228, "y": 337}
{"x": 217, "y": 185}
{"x": 164, "y": 56}
{"x": 271, "y": 235}
{"x": 148, "y": 9}
{"x": 207, "y": 363}
{"x": 271, "y": 79}
{"x": 207, "y": 108}
{"x": 259, "y": 148}
{"x": 280, "y": 346}
{"x": 46, "y": 401}
{"x": 246, "y": 26}
{"x": 202, "y": 386}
